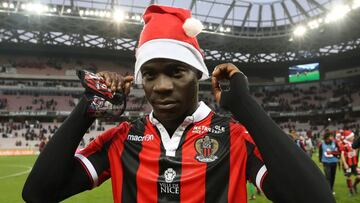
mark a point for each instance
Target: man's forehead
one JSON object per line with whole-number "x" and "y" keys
{"x": 162, "y": 62}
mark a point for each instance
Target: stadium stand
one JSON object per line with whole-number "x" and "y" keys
{"x": 293, "y": 106}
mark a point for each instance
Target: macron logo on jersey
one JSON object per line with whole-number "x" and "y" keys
{"x": 139, "y": 138}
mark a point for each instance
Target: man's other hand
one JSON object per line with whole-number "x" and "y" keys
{"x": 117, "y": 82}
{"x": 222, "y": 72}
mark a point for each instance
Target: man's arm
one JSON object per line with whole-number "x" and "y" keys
{"x": 292, "y": 175}
{"x": 320, "y": 152}
{"x": 56, "y": 173}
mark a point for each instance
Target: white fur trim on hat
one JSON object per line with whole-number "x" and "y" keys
{"x": 169, "y": 49}
{"x": 349, "y": 136}
{"x": 192, "y": 27}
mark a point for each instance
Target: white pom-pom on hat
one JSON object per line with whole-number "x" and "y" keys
{"x": 192, "y": 27}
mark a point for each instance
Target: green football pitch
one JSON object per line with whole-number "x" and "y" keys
{"x": 314, "y": 75}
{"x": 14, "y": 170}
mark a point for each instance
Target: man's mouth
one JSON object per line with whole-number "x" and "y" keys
{"x": 165, "y": 105}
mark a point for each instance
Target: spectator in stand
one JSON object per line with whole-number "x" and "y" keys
{"x": 329, "y": 156}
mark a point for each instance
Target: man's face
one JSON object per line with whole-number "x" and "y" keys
{"x": 171, "y": 87}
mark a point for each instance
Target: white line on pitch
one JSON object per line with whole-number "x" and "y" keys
{"x": 17, "y": 174}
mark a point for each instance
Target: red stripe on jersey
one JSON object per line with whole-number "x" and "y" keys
{"x": 116, "y": 169}
{"x": 237, "y": 180}
{"x": 193, "y": 172}
{"x": 248, "y": 138}
{"x": 147, "y": 173}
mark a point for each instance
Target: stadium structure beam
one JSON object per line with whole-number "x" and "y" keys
{"x": 151, "y": 2}
{"x": 273, "y": 15}
{"x": 301, "y": 9}
{"x": 247, "y": 14}
{"x": 226, "y": 15}
{"x": 192, "y": 4}
{"x": 112, "y": 4}
{"x": 259, "y": 17}
{"x": 317, "y": 4}
{"x": 287, "y": 12}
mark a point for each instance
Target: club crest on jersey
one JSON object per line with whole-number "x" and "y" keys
{"x": 206, "y": 148}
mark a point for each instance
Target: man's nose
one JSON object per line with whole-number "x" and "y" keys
{"x": 163, "y": 84}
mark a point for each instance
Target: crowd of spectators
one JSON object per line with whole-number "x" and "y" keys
{"x": 3, "y": 103}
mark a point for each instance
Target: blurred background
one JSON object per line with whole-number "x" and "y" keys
{"x": 302, "y": 59}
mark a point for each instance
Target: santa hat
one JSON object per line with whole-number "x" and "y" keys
{"x": 348, "y": 134}
{"x": 169, "y": 33}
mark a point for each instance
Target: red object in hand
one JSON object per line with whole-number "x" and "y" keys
{"x": 96, "y": 85}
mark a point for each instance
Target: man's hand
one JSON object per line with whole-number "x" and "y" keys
{"x": 116, "y": 81}
{"x": 222, "y": 72}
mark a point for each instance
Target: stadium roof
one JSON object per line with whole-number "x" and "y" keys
{"x": 243, "y": 31}
{"x": 243, "y": 13}
{"x": 252, "y": 18}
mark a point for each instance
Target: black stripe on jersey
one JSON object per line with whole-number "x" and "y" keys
{"x": 130, "y": 162}
{"x": 253, "y": 163}
{"x": 218, "y": 171}
{"x": 170, "y": 192}
{"x": 100, "y": 159}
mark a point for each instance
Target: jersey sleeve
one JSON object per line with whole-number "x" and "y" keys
{"x": 94, "y": 158}
{"x": 255, "y": 168}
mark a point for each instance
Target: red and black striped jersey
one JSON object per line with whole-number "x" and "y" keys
{"x": 209, "y": 158}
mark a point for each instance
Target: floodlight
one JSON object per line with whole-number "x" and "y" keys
{"x": 118, "y": 16}
{"x": 313, "y": 24}
{"x": 221, "y": 29}
{"x": 36, "y": 8}
{"x": 337, "y": 12}
{"x": 96, "y": 13}
{"x": 228, "y": 29}
{"x": 11, "y": 5}
{"x": 23, "y": 6}
{"x": 356, "y": 4}
{"x": 137, "y": 17}
{"x": 5, "y": 4}
{"x": 107, "y": 14}
{"x": 68, "y": 10}
{"x": 81, "y": 12}
{"x": 300, "y": 31}
{"x": 91, "y": 12}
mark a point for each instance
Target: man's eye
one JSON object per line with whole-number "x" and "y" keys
{"x": 178, "y": 71}
{"x": 148, "y": 75}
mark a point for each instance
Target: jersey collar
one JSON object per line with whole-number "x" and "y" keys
{"x": 171, "y": 144}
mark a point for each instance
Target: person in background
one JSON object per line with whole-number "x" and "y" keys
{"x": 329, "y": 153}
{"x": 309, "y": 147}
{"x": 349, "y": 158}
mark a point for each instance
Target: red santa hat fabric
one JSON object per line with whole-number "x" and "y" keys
{"x": 348, "y": 134}
{"x": 169, "y": 33}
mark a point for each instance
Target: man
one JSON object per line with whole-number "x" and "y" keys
{"x": 349, "y": 158}
{"x": 329, "y": 153}
{"x": 181, "y": 151}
